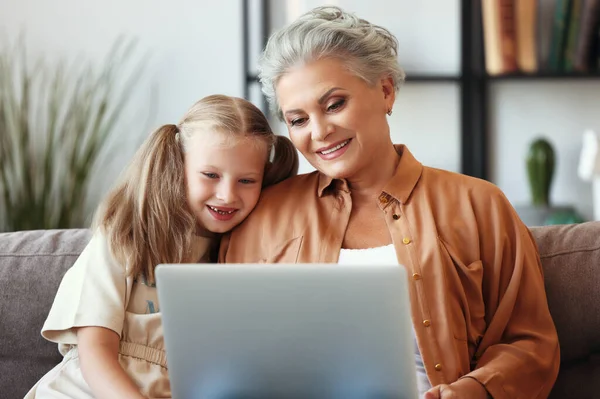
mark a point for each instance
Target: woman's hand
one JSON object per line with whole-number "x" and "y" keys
{"x": 99, "y": 359}
{"x": 466, "y": 388}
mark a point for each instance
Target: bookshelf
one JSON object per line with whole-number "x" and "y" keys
{"x": 473, "y": 81}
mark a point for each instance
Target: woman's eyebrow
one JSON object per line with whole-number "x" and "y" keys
{"x": 327, "y": 93}
{"x": 320, "y": 100}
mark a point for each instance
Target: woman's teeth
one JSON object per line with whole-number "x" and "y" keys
{"x": 221, "y": 212}
{"x": 337, "y": 147}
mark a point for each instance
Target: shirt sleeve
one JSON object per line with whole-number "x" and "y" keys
{"x": 518, "y": 356}
{"x": 93, "y": 292}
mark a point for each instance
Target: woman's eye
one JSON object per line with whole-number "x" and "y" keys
{"x": 297, "y": 121}
{"x": 336, "y": 105}
{"x": 247, "y": 181}
{"x": 210, "y": 175}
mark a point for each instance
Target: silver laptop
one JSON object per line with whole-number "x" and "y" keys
{"x": 287, "y": 331}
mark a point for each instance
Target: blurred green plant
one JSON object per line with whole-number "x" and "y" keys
{"x": 55, "y": 121}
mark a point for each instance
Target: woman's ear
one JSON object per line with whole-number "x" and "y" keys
{"x": 387, "y": 85}
{"x": 389, "y": 91}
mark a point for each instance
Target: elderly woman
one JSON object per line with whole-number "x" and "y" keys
{"x": 479, "y": 311}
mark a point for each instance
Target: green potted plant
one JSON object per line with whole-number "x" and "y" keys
{"x": 55, "y": 121}
{"x": 541, "y": 163}
{"x": 540, "y": 171}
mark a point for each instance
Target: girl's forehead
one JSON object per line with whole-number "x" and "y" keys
{"x": 232, "y": 153}
{"x": 224, "y": 139}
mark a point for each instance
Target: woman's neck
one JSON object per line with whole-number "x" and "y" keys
{"x": 369, "y": 184}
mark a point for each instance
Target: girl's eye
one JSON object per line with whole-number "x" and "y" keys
{"x": 247, "y": 181}
{"x": 210, "y": 175}
{"x": 336, "y": 105}
{"x": 297, "y": 121}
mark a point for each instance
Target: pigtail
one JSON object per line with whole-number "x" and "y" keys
{"x": 284, "y": 164}
{"x": 146, "y": 217}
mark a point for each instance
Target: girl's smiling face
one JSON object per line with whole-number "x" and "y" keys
{"x": 224, "y": 178}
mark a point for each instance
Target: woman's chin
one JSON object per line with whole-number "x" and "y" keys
{"x": 339, "y": 170}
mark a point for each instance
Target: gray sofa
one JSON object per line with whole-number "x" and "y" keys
{"x": 32, "y": 264}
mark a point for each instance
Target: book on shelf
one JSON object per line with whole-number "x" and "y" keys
{"x": 525, "y": 15}
{"x": 589, "y": 32}
{"x": 548, "y": 36}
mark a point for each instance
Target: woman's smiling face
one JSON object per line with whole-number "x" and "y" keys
{"x": 334, "y": 118}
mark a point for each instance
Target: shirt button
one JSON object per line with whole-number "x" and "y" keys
{"x": 438, "y": 367}
{"x": 406, "y": 240}
{"x": 416, "y": 276}
{"x": 396, "y": 216}
{"x": 426, "y": 323}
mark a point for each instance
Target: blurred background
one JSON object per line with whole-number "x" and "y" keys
{"x": 503, "y": 90}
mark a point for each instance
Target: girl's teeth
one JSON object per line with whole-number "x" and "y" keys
{"x": 221, "y": 212}
{"x": 337, "y": 147}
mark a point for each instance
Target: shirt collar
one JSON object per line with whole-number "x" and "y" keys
{"x": 400, "y": 186}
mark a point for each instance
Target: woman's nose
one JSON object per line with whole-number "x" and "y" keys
{"x": 321, "y": 129}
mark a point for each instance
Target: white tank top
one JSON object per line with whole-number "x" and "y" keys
{"x": 385, "y": 255}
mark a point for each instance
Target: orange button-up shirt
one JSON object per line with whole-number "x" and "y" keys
{"x": 477, "y": 291}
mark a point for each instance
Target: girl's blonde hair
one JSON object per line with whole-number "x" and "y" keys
{"x": 146, "y": 217}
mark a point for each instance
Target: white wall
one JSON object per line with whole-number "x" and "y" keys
{"x": 195, "y": 49}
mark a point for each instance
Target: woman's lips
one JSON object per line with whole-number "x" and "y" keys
{"x": 334, "y": 151}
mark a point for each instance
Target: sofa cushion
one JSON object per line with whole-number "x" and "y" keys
{"x": 32, "y": 265}
{"x": 570, "y": 257}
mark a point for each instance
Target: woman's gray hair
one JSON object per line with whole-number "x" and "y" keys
{"x": 367, "y": 50}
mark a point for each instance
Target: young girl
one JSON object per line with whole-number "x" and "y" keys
{"x": 187, "y": 184}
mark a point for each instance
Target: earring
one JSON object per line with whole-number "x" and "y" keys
{"x": 389, "y": 112}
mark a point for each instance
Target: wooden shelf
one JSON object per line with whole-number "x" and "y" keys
{"x": 546, "y": 76}
{"x": 410, "y": 78}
